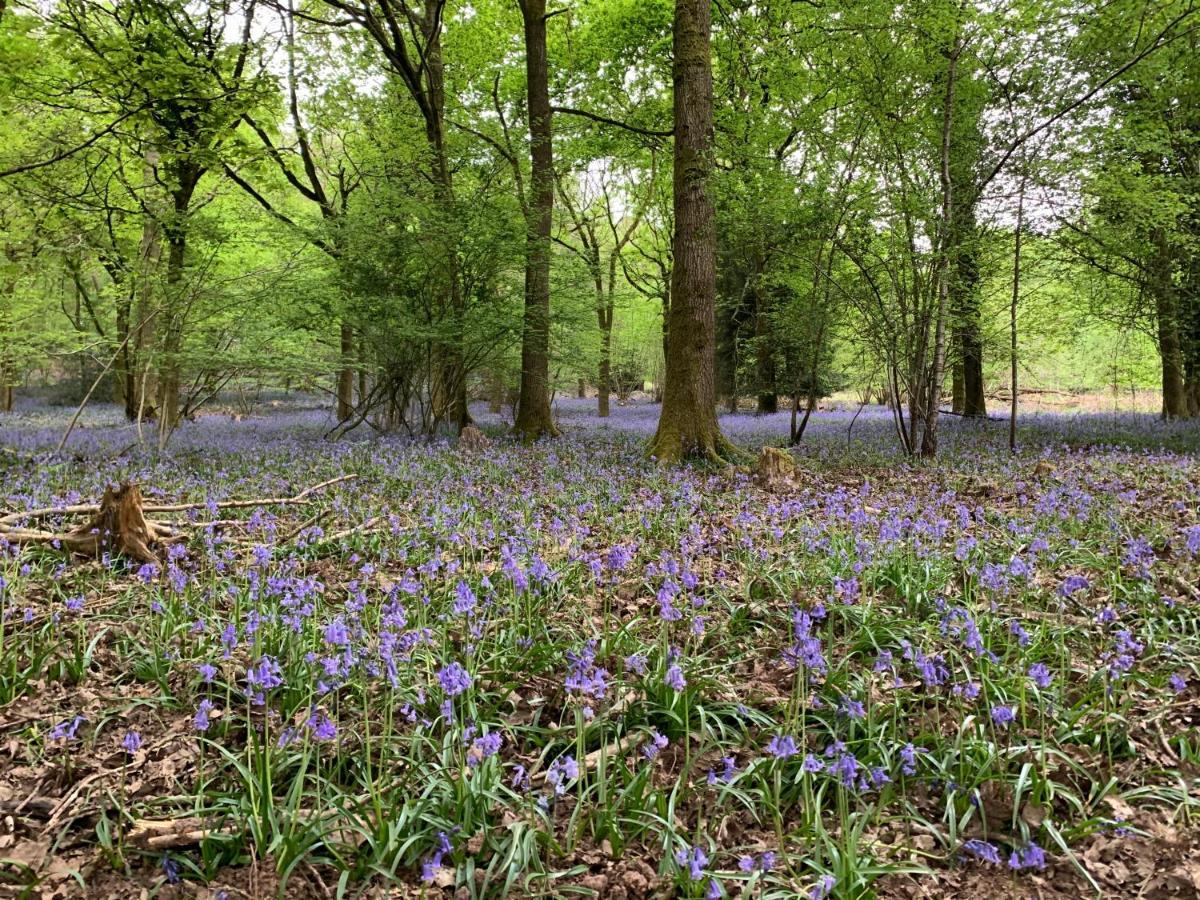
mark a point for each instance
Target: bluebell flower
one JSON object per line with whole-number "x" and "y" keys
{"x": 454, "y": 679}
{"x": 982, "y": 850}
{"x": 66, "y": 729}
{"x": 674, "y": 678}
{"x": 1039, "y": 674}
{"x": 200, "y": 720}
{"x": 561, "y": 771}
{"x": 823, "y": 888}
{"x": 1031, "y": 857}
{"x": 694, "y": 859}
{"x": 655, "y": 745}
{"x": 782, "y": 746}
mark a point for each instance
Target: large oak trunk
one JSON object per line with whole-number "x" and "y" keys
{"x": 533, "y": 408}
{"x": 687, "y": 425}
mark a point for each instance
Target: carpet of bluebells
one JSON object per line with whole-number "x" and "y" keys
{"x": 563, "y": 670}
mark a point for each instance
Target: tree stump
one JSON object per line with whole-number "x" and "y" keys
{"x": 774, "y": 467}
{"x": 120, "y": 526}
{"x": 471, "y": 439}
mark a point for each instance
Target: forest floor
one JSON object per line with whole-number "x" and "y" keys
{"x": 560, "y": 670}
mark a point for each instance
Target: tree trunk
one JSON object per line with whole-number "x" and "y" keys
{"x": 496, "y": 392}
{"x": 965, "y": 305}
{"x": 929, "y": 437}
{"x": 687, "y": 425}
{"x": 345, "y": 382}
{"x": 169, "y": 363}
{"x": 731, "y": 288}
{"x": 764, "y": 357}
{"x": 534, "y": 419}
{"x": 1170, "y": 345}
{"x": 957, "y": 379}
{"x": 122, "y": 368}
{"x": 143, "y": 381}
{"x": 1012, "y": 317}
{"x": 8, "y": 372}
{"x": 604, "y": 375}
{"x": 1189, "y": 301}
{"x": 449, "y": 375}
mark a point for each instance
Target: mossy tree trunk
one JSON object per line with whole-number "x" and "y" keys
{"x": 687, "y": 425}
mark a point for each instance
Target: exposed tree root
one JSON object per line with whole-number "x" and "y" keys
{"x": 530, "y": 433}
{"x": 669, "y": 448}
{"x": 118, "y": 525}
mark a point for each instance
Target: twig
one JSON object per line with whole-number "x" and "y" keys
{"x": 1188, "y": 589}
{"x": 357, "y": 529}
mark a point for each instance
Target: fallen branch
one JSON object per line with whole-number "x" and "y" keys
{"x": 91, "y": 508}
{"x": 166, "y": 834}
{"x": 118, "y": 524}
{"x": 1188, "y": 589}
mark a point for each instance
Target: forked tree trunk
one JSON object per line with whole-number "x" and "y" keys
{"x": 687, "y": 425}
{"x": 534, "y": 419}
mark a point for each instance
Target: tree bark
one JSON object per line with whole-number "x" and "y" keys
{"x": 687, "y": 425}
{"x": 1170, "y": 345}
{"x": 764, "y": 357}
{"x": 453, "y": 370}
{"x": 123, "y": 376}
{"x": 965, "y": 306}
{"x": 604, "y": 373}
{"x": 929, "y": 437}
{"x": 1012, "y": 316}
{"x": 957, "y": 389}
{"x": 1189, "y": 314}
{"x": 8, "y": 373}
{"x": 143, "y": 380}
{"x": 534, "y": 419}
{"x": 169, "y": 363}
{"x": 345, "y": 384}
